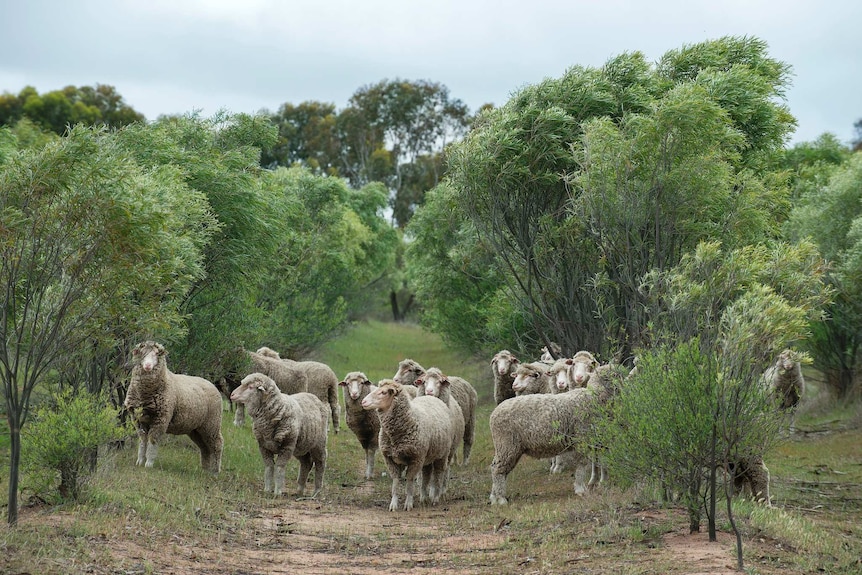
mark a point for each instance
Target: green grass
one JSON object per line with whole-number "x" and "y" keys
{"x": 177, "y": 518}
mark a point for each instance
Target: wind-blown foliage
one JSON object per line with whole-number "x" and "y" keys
{"x": 583, "y": 184}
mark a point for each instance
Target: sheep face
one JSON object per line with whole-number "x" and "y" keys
{"x": 504, "y": 362}
{"x": 582, "y": 365}
{"x": 408, "y": 371}
{"x": 253, "y": 384}
{"x": 381, "y": 398}
{"x": 147, "y": 354}
{"x": 354, "y": 381}
{"x": 785, "y": 361}
{"x": 559, "y": 374}
{"x": 526, "y": 376}
{"x": 433, "y": 382}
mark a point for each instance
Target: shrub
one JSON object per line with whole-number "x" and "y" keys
{"x": 65, "y": 435}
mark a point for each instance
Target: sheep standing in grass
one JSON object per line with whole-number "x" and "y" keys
{"x": 436, "y": 384}
{"x": 322, "y": 381}
{"x": 289, "y": 378}
{"x": 363, "y": 423}
{"x": 503, "y": 366}
{"x": 415, "y": 435}
{"x": 464, "y": 393}
{"x": 546, "y": 425}
{"x": 164, "y": 402}
{"x": 285, "y": 426}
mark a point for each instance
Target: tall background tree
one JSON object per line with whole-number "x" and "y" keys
{"x": 58, "y": 109}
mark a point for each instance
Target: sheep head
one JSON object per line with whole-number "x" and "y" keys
{"x": 504, "y": 362}
{"x": 147, "y": 354}
{"x": 382, "y": 398}
{"x": 433, "y": 382}
{"x": 408, "y": 371}
{"x": 354, "y": 381}
{"x": 255, "y": 384}
{"x": 581, "y": 365}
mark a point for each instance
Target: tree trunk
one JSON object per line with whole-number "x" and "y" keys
{"x": 393, "y": 301}
{"x": 14, "y": 465}
{"x": 713, "y": 481}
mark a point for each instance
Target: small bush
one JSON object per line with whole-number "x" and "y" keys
{"x": 64, "y": 437}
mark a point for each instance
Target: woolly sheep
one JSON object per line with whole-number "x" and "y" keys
{"x": 784, "y": 381}
{"x": 285, "y": 426}
{"x": 532, "y": 378}
{"x": 289, "y": 378}
{"x": 415, "y": 434}
{"x": 546, "y": 425}
{"x": 364, "y": 424}
{"x": 164, "y": 402}
{"x": 464, "y": 393}
{"x": 322, "y": 381}
{"x": 436, "y": 384}
{"x": 503, "y": 367}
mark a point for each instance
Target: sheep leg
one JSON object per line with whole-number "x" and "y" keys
{"x": 469, "y": 432}
{"x": 305, "y": 464}
{"x": 369, "y": 462}
{"x": 395, "y": 473}
{"x": 439, "y": 478}
{"x": 143, "y": 440}
{"x": 319, "y": 471}
{"x": 152, "y": 448}
{"x": 410, "y": 476}
{"x": 239, "y": 415}
{"x": 427, "y": 490}
{"x": 580, "y": 478}
{"x": 501, "y": 466}
{"x": 203, "y": 446}
{"x": 268, "y": 469}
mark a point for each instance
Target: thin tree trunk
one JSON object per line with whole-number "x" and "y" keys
{"x": 713, "y": 481}
{"x": 14, "y": 465}
{"x": 736, "y": 532}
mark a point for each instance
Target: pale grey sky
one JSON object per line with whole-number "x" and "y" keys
{"x": 175, "y": 56}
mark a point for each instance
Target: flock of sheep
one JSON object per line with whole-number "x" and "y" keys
{"x": 419, "y": 420}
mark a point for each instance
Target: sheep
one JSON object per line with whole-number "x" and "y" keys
{"x": 322, "y": 381}
{"x": 415, "y": 434}
{"x": 550, "y": 353}
{"x": 503, "y": 366}
{"x": 532, "y": 378}
{"x": 464, "y": 393}
{"x": 164, "y": 402}
{"x": 285, "y": 426}
{"x": 545, "y": 425}
{"x": 784, "y": 382}
{"x": 289, "y": 378}
{"x": 436, "y": 384}
{"x": 364, "y": 424}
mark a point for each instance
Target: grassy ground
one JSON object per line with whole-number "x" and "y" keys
{"x": 174, "y": 518}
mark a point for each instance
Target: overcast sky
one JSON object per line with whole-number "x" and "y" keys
{"x": 176, "y": 56}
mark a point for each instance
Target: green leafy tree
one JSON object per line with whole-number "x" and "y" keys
{"x": 306, "y": 136}
{"x": 335, "y": 244}
{"x": 58, "y": 109}
{"x": 410, "y": 121}
{"x": 86, "y": 236}
{"x": 581, "y": 185}
{"x": 829, "y": 212}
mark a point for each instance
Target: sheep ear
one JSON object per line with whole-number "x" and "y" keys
{"x": 515, "y": 360}
{"x": 418, "y": 381}
{"x": 261, "y": 388}
{"x": 570, "y": 361}
{"x": 342, "y": 383}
